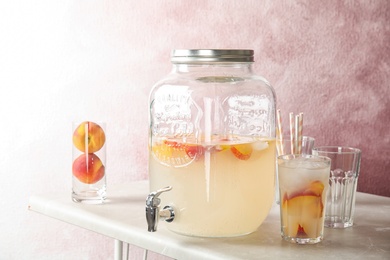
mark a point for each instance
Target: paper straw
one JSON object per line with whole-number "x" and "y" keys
{"x": 278, "y": 143}
{"x": 296, "y": 141}
{"x": 292, "y": 132}
{"x": 279, "y": 131}
{"x": 300, "y": 133}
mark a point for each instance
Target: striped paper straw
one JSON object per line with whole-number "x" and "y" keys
{"x": 278, "y": 146}
{"x": 292, "y": 133}
{"x": 300, "y": 132}
{"x": 279, "y": 131}
{"x": 296, "y": 141}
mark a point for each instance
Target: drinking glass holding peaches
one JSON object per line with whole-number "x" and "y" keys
{"x": 89, "y": 162}
{"x": 303, "y": 186}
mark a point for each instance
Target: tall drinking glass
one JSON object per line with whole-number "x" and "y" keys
{"x": 89, "y": 162}
{"x": 303, "y": 184}
{"x": 340, "y": 206}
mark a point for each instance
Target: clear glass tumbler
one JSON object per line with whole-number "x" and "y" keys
{"x": 340, "y": 206}
{"x": 303, "y": 184}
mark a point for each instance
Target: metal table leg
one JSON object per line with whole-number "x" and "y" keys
{"x": 118, "y": 250}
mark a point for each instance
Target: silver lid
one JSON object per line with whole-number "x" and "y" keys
{"x": 218, "y": 55}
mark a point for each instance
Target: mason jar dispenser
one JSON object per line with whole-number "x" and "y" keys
{"x": 212, "y": 144}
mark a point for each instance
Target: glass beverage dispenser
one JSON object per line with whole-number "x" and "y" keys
{"x": 212, "y": 140}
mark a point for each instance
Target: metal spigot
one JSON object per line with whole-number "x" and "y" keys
{"x": 153, "y": 212}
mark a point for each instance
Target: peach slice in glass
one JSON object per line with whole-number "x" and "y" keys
{"x": 301, "y": 215}
{"x": 302, "y": 211}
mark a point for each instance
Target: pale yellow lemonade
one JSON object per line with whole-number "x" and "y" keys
{"x": 303, "y": 187}
{"x": 221, "y": 187}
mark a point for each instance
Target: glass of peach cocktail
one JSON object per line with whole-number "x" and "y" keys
{"x": 303, "y": 184}
{"x": 221, "y": 186}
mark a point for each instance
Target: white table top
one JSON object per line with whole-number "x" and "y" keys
{"x": 122, "y": 217}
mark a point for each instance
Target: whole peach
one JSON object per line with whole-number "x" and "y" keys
{"x": 88, "y": 168}
{"x": 89, "y": 137}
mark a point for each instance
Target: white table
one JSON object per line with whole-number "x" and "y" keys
{"x": 122, "y": 218}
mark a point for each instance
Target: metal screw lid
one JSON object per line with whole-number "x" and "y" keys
{"x": 212, "y": 55}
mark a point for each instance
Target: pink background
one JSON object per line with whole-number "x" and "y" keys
{"x": 63, "y": 61}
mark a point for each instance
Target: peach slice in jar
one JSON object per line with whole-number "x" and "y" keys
{"x": 222, "y": 145}
{"x": 242, "y": 151}
{"x": 174, "y": 153}
{"x": 193, "y": 150}
{"x": 166, "y": 151}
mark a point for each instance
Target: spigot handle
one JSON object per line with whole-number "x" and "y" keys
{"x": 153, "y": 200}
{"x": 152, "y": 208}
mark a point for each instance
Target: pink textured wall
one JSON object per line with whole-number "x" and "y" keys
{"x": 72, "y": 60}
{"x": 331, "y": 61}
